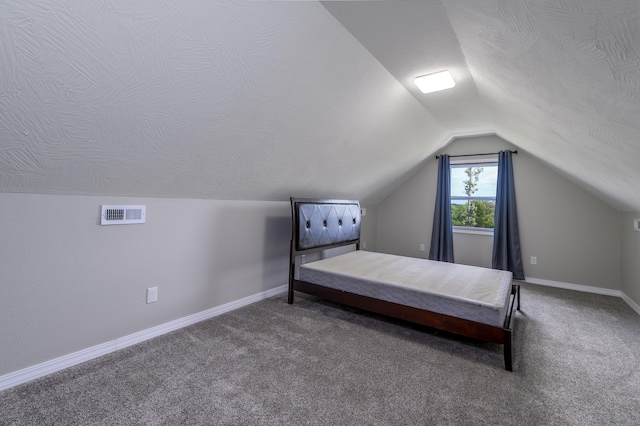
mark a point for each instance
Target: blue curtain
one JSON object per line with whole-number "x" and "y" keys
{"x": 442, "y": 232}
{"x": 506, "y": 236}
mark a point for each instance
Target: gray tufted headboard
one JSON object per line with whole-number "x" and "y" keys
{"x": 321, "y": 223}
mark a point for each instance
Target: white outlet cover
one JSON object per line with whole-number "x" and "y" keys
{"x": 636, "y": 224}
{"x": 152, "y": 294}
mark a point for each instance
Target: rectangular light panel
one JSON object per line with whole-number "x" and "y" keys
{"x": 435, "y": 82}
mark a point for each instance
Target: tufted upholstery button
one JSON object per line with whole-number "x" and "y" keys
{"x": 308, "y": 224}
{"x": 354, "y": 220}
{"x": 324, "y": 223}
{"x": 340, "y": 222}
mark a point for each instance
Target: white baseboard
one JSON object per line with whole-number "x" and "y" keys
{"x": 48, "y": 367}
{"x": 587, "y": 289}
{"x": 631, "y": 303}
{"x": 576, "y": 287}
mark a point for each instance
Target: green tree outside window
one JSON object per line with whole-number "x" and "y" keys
{"x": 467, "y": 211}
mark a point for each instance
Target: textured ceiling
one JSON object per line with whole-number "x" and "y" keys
{"x": 266, "y": 100}
{"x": 558, "y": 78}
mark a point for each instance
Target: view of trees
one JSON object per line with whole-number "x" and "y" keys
{"x": 473, "y": 213}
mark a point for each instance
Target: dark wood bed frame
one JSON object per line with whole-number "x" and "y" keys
{"x": 484, "y": 332}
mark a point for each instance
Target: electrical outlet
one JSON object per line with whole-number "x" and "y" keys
{"x": 364, "y": 245}
{"x": 421, "y": 247}
{"x": 534, "y": 260}
{"x": 152, "y": 294}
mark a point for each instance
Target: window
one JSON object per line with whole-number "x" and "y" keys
{"x": 473, "y": 195}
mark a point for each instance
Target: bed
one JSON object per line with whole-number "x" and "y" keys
{"x": 465, "y": 300}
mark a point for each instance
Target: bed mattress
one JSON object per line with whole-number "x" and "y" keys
{"x": 462, "y": 291}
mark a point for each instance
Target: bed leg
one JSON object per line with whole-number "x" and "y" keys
{"x": 515, "y": 290}
{"x": 290, "y": 294}
{"x": 291, "y": 277}
{"x": 508, "y": 350}
{"x": 292, "y": 271}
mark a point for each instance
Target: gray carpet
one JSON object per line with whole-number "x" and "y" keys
{"x": 577, "y": 358}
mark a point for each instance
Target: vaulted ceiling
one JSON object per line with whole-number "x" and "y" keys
{"x": 266, "y": 100}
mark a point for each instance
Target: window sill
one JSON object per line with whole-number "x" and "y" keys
{"x": 476, "y": 231}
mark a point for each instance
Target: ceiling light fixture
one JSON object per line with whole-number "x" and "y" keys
{"x": 435, "y": 82}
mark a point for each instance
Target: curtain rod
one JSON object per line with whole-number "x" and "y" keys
{"x": 474, "y": 155}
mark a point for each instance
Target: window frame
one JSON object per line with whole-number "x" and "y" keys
{"x": 459, "y": 163}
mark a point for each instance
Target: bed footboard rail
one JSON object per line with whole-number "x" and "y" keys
{"x": 508, "y": 327}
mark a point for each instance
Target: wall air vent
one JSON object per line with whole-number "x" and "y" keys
{"x": 122, "y": 215}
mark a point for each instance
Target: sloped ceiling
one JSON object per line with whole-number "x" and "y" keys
{"x": 266, "y": 100}
{"x": 558, "y": 78}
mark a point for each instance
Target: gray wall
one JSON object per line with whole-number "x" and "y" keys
{"x": 630, "y": 257}
{"x": 68, "y": 283}
{"x": 574, "y": 235}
